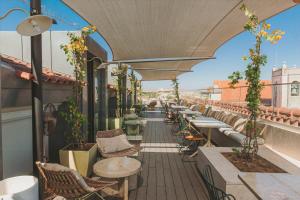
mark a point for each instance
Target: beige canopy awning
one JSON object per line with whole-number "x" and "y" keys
{"x": 143, "y": 29}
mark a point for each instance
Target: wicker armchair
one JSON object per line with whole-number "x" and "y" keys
{"x": 66, "y": 184}
{"x": 112, "y": 133}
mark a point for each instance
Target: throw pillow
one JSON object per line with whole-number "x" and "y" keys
{"x": 113, "y": 144}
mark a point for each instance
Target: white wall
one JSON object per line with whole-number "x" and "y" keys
{"x": 17, "y": 143}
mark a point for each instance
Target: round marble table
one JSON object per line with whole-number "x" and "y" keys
{"x": 118, "y": 167}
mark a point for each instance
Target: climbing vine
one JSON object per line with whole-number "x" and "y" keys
{"x": 261, "y": 32}
{"x": 75, "y": 51}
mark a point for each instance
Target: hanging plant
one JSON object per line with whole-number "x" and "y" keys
{"x": 261, "y": 32}
{"x": 75, "y": 51}
{"x": 176, "y": 90}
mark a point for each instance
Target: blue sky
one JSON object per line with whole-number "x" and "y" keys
{"x": 228, "y": 57}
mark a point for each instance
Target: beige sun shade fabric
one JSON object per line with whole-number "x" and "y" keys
{"x": 140, "y": 29}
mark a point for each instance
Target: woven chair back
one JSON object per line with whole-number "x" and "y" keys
{"x": 62, "y": 183}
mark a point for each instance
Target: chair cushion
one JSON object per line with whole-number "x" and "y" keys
{"x": 127, "y": 152}
{"x": 207, "y": 112}
{"x": 109, "y": 133}
{"x": 113, "y": 144}
{"x": 238, "y": 137}
{"x": 228, "y": 132}
{"x": 228, "y": 118}
{"x": 239, "y": 124}
{"x": 233, "y": 120}
{"x": 225, "y": 129}
{"x": 60, "y": 168}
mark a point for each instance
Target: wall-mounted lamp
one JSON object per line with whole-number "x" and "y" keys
{"x": 33, "y": 25}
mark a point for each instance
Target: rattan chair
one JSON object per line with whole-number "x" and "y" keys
{"x": 127, "y": 152}
{"x": 214, "y": 193}
{"x": 66, "y": 184}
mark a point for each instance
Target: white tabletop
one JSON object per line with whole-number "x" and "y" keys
{"x": 210, "y": 124}
{"x": 201, "y": 119}
{"x": 206, "y": 122}
{"x": 117, "y": 167}
{"x": 271, "y": 186}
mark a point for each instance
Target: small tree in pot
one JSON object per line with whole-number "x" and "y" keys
{"x": 261, "y": 31}
{"x": 83, "y": 154}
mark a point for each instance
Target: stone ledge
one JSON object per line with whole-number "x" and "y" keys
{"x": 226, "y": 174}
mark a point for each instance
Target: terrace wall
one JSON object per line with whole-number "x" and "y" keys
{"x": 16, "y": 120}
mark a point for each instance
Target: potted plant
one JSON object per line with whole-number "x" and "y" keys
{"x": 262, "y": 32}
{"x": 78, "y": 154}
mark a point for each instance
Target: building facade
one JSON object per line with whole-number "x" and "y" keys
{"x": 286, "y": 86}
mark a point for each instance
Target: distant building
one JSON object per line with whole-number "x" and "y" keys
{"x": 221, "y": 91}
{"x": 286, "y": 87}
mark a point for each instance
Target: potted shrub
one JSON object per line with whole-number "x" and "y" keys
{"x": 78, "y": 154}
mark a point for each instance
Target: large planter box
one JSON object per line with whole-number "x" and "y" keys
{"x": 225, "y": 174}
{"x": 79, "y": 160}
{"x": 114, "y": 123}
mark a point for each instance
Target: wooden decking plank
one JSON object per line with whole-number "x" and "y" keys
{"x": 151, "y": 187}
{"x": 179, "y": 189}
{"x": 170, "y": 187}
{"x": 185, "y": 179}
{"x": 142, "y": 193}
{"x": 165, "y": 176}
{"x": 195, "y": 181}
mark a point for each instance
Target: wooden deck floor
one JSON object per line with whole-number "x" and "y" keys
{"x": 164, "y": 176}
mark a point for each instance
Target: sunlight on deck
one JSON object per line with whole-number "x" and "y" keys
{"x": 159, "y": 147}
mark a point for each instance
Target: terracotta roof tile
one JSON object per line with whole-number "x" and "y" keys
{"x": 23, "y": 71}
{"x": 289, "y": 116}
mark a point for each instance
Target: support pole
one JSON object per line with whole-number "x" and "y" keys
{"x": 91, "y": 98}
{"x": 102, "y": 98}
{"x": 36, "y": 89}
